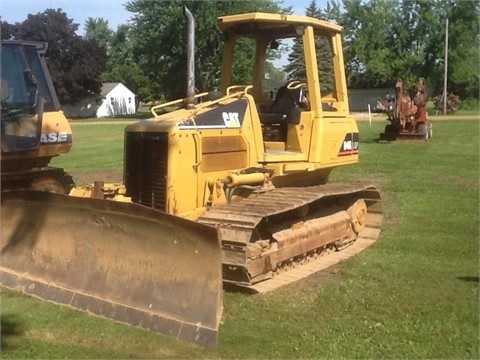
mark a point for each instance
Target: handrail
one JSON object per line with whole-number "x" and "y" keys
{"x": 244, "y": 90}
{"x": 233, "y": 87}
{"x": 198, "y": 148}
{"x": 178, "y": 101}
{"x": 228, "y": 96}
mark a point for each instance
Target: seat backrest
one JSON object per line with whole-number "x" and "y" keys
{"x": 284, "y": 100}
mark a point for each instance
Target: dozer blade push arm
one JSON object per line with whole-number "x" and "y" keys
{"x": 119, "y": 260}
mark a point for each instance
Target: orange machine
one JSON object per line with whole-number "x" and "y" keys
{"x": 34, "y": 129}
{"x": 408, "y": 116}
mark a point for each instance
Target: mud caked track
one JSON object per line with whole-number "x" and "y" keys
{"x": 277, "y": 237}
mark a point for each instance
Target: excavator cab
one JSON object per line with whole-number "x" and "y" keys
{"x": 33, "y": 128}
{"x": 21, "y": 99}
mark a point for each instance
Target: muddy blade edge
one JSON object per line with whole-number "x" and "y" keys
{"x": 118, "y": 260}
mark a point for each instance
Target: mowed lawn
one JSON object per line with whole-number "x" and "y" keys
{"x": 414, "y": 294}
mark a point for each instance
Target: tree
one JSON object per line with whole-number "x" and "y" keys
{"x": 121, "y": 66}
{"x": 464, "y": 51}
{"x": 428, "y": 24}
{"x": 6, "y": 30}
{"x": 377, "y": 47}
{"x": 385, "y": 40}
{"x": 98, "y": 30}
{"x": 74, "y": 63}
{"x": 159, "y": 41}
{"x": 296, "y": 66}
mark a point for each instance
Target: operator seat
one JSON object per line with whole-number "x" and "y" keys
{"x": 285, "y": 109}
{"x": 285, "y": 101}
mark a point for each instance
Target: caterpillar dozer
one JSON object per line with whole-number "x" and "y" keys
{"x": 33, "y": 128}
{"x": 228, "y": 186}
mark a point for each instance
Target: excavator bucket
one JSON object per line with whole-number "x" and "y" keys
{"x": 122, "y": 261}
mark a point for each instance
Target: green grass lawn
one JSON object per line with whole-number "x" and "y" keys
{"x": 414, "y": 294}
{"x": 96, "y": 154}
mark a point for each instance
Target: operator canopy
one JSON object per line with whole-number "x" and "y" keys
{"x": 273, "y": 26}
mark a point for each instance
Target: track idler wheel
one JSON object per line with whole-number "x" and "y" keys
{"x": 358, "y": 215}
{"x": 54, "y": 183}
{"x": 48, "y": 184}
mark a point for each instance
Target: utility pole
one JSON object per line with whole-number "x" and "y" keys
{"x": 445, "y": 63}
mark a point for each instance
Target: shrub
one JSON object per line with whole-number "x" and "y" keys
{"x": 470, "y": 104}
{"x": 453, "y": 102}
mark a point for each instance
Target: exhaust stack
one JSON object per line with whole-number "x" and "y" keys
{"x": 190, "y": 99}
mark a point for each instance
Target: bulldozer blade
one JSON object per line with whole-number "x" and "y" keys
{"x": 122, "y": 261}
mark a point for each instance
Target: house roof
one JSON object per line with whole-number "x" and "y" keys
{"x": 107, "y": 87}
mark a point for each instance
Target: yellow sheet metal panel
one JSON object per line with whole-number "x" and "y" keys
{"x": 223, "y": 153}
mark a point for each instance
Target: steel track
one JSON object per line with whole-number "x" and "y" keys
{"x": 274, "y": 238}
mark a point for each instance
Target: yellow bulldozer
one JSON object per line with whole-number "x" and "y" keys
{"x": 33, "y": 128}
{"x": 221, "y": 189}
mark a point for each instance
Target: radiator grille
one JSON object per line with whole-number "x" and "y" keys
{"x": 146, "y": 165}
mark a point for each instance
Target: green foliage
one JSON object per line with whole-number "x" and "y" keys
{"x": 464, "y": 48}
{"x": 74, "y": 63}
{"x": 381, "y": 42}
{"x": 296, "y": 65}
{"x": 6, "y": 30}
{"x": 98, "y": 30}
{"x": 386, "y": 40}
{"x": 159, "y": 32}
{"x": 412, "y": 295}
{"x": 470, "y": 104}
{"x": 122, "y": 66}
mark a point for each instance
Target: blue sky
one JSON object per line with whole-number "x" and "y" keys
{"x": 112, "y": 10}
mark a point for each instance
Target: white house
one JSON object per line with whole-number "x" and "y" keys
{"x": 117, "y": 100}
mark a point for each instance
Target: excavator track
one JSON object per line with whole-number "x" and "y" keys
{"x": 47, "y": 178}
{"x": 277, "y": 237}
